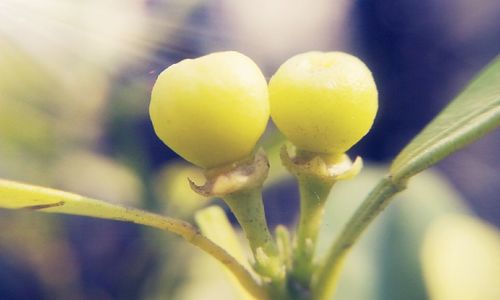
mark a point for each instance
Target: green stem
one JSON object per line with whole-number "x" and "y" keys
{"x": 325, "y": 283}
{"x": 14, "y": 195}
{"x": 248, "y": 208}
{"x": 313, "y": 195}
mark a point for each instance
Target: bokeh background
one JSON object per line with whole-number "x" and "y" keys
{"x": 75, "y": 81}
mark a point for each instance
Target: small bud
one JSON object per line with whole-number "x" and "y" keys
{"x": 268, "y": 266}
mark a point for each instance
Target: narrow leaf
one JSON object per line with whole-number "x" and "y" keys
{"x": 474, "y": 113}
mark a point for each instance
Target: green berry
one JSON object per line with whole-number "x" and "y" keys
{"x": 211, "y": 110}
{"x": 323, "y": 102}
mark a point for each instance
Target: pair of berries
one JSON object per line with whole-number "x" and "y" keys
{"x": 212, "y": 110}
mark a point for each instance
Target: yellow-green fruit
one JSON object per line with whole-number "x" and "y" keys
{"x": 211, "y": 110}
{"x": 323, "y": 102}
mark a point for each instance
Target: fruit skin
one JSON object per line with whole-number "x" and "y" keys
{"x": 323, "y": 102}
{"x": 211, "y": 110}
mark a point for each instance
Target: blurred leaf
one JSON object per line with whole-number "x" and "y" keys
{"x": 461, "y": 259}
{"x": 385, "y": 263}
{"x": 172, "y": 189}
{"x": 214, "y": 224}
{"x": 25, "y": 128}
{"x": 474, "y": 113}
{"x": 98, "y": 176}
{"x": 428, "y": 198}
{"x": 360, "y": 278}
{"x": 206, "y": 281}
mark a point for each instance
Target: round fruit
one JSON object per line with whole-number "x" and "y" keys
{"x": 323, "y": 102}
{"x": 211, "y": 110}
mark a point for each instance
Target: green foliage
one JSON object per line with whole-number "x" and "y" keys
{"x": 384, "y": 265}
{"x": 474, "y": 113}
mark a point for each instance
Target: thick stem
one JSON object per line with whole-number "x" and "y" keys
{"x": 325, "y": 283}
{"x": 313, "y": 195}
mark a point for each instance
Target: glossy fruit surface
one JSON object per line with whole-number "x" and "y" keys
{"x": 323, "y": 102}
{"x": 211, "y": 110}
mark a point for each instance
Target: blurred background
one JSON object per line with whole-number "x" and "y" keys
{"x": 75, "y": 82}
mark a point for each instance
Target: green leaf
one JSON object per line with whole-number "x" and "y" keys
{"x": 214, "y": 224}
{"x": 14, "y": 195}
{"x": 474, "y": 113}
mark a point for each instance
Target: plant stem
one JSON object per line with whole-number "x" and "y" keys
{"x": 15, "y": 195}
{"x": 325, "y": 283}
{"x": 248, "y": 208}
{"x": 313, "y": 194}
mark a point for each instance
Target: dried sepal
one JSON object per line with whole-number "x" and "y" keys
{"x": 321, "y": 166}
{"x": 235, "y": 177}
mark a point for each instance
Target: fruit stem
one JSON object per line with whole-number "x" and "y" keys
{"x": 313, "y": 195}
{"x": 248, "y": 209}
